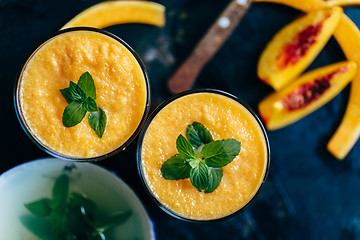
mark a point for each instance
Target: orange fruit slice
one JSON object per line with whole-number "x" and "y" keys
{"x": 110, "y": 13}
{"x": 311, "y": 5}
{"x": 308, "y": 93}
{"x": 340, "y": 144}
{"x": 342, "y": 2}
{"x": 295, "y": 46}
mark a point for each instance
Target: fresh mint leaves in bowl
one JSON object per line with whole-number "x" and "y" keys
{"x": 51, "y": 199}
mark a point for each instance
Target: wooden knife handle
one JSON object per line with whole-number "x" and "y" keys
{"x": 215, "y": 37}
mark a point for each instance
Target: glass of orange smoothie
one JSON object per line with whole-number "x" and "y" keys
{"x": 115, "y": 80}
{"x": 225, "y": 117}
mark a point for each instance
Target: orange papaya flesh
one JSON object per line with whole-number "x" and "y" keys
{"x": 342, "y": 2}
{"x": 347, "y": 134}
{"x": 108, "y": 13}
{"x": 294, "y": 47}
{"x": 295, "y": 50}
{"x": 311, "y": 5}
{"x": 306, "y": 94}
{"x": 311, "y": 91}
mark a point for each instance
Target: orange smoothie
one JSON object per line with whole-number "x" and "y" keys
{"x": 225, "y": 118}
{"x": 121, "y": 88}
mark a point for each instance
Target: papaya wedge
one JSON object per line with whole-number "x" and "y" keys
{"x": 348, "y": 36}
{"x": 110, "y": 13}
{"x": 340, "y": 144}
{"x": 342, "y": 2}
{"x": 294, "y": 47}
{"x": 308, "y": 93}
{"x": 312, "y": 5}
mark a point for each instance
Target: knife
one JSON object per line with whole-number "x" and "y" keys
{"x": 215, "y": 37}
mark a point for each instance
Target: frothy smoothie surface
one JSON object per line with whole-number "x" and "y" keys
{"x": 225, "y": 118}
{"x": 120, "y": 87}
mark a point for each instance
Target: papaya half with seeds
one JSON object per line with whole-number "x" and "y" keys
{"x": 306, "y": 94}
{"x": 294, "y": 47}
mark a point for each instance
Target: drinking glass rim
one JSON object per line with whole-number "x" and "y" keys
{"x": 164, "y": 104}
{"x": 53, "y": 152}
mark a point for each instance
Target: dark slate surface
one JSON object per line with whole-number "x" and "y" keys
{"x": 308, "y": 193}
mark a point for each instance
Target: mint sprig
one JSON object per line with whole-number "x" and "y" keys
{"x": 200, "y": 158}
{"x": 81, "y": 98}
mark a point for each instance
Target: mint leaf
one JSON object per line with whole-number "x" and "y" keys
{"x": 60, "y": 191}
{"x": 113, "y": 220}
{"x": 87, "y": 216}
{"x": 58, "y": 221}
{"x": 67, "y": 236}
{"x": 90, "y": 105}
{"x": 220, "y": 153}
{"x": 97, "y": 121}
{"x": 72, "y": 93}
{"x": 73, "y": 114}
{"x": 198, "y": 134}
{"x": 95, "y": 236}
{"x": 40, "y": 208}
{"x": 86, "y": 83}
{"x": 176, "y": 168}
{"x": 184, "y": 147}
{"x": 215, "y": 176}
{"x": 199, "y": 176}
{"x": 77, "y": 199}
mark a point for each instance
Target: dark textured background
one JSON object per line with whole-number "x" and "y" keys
{"x": 308, "y": 193}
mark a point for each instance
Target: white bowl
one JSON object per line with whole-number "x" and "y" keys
{"x": 34, "y": 180}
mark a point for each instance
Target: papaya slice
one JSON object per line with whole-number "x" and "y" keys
{"x": 294, "y": 47}
{"x": 331, "y": 3}
{"x": 312, "y": 5}
{"x": 308, "y": 93}
{"x": 110, "y": 13}
{"x": 340, "y": 144}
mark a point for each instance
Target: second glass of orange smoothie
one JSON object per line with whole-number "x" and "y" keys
{"x": 226, "y": 117}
